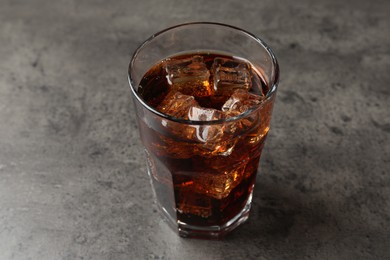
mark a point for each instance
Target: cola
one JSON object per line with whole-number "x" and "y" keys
{"x": 204, "y": 142}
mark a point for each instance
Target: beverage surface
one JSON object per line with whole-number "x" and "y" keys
{"x": 211, "y": 79}
{"x": 203, "y": 175}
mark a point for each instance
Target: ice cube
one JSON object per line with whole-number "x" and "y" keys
{"x": 240, "y": 101}
{"x": 218, "y": 147}
{"x": 221, "y": 163}
{"x": 192, "y": 203}
{"x": 252, "y": 166}
{"x": 229, "y": 75}
{"x": 186, "y": 139}
{"x": 189, "y": 76}
{"x": 218, "y": 184}
{"x": 169, "y": 147}
{"x": 204, "y": 114}
{"x": 177, "y": 105}
{"x": 214, "y": 138}
{"x": 206, "y": 133}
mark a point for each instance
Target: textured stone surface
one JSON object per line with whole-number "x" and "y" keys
{"x": 72, "y": 178}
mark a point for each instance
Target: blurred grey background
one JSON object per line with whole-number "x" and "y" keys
{"x": 73, "y": 183}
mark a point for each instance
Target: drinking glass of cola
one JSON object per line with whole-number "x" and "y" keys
{"x": 203, "y": 96}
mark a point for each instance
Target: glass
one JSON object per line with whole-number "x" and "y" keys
{"x": 203, "y": 186}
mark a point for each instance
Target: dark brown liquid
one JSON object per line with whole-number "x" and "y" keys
{"x": 154, "y": 85}
{"x": 203, "y": 183}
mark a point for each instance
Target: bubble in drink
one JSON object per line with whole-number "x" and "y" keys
{"x": 212, "y": 165}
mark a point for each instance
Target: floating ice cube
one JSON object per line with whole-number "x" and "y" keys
{"x": 177, "y": 105}
{"x": 229, "y": 75}
{"x": 189, "y": 76}
{"x": 217, "y": 147}
{"x": 240, "y": 101}
{"x": 206, "y": 133}
{"x": 204, "y": 114}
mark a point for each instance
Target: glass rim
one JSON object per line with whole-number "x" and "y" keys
{"x": 269, "y": 95}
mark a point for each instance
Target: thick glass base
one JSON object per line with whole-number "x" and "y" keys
{"x": 208, "y": 232}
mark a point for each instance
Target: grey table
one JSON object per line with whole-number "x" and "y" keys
{"x": 73, "y": 184}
